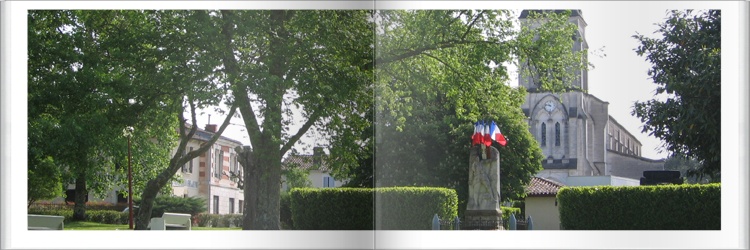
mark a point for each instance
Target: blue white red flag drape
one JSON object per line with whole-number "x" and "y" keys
{"x": 478, "y": 136}
{"x": 497, "y": 135}
{"x": 485, "y": 133}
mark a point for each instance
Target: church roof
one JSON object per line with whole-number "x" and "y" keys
{"x": 543, "y": 187}
{"x": 525, "y": 13}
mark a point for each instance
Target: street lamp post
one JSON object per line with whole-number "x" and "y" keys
{"x": 128, "y": 132}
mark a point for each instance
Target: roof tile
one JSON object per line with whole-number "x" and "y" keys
{"x": 543, "y": 187}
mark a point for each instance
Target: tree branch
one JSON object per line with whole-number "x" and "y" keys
{"x": 417, "y": 51}
{"x": 292, "y": 140}
{"x": 471, "y": 25}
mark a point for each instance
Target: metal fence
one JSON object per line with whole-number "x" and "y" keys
{"x": 458, "y": 224}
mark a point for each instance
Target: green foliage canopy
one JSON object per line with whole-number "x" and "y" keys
{"x": 686, "y": 66}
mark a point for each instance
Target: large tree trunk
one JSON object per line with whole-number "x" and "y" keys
{"x": 265, "y": 194}
{"x": 250, "y": 181}
{"x": 79, "y": 209}
{"x": 147, "y": 203}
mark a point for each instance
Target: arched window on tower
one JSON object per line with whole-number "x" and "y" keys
{"x": 557, "y": 134}
{"x": 544, "y": 134}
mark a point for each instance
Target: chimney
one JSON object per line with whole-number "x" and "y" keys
{"x": 318, "y": 154}
{"x": 211, "y": 128}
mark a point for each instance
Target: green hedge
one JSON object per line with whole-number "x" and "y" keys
{"x": 285, "y": 211}
{"x": 398, "y": 208}
{"x": 331, "y": 208}
{"x": 98, "y": 216}
{"x": 217, "y": 220}
{"x": 412, "y": 208}
{"x": 177, "y": 204}
{"x": 663, "y": 207}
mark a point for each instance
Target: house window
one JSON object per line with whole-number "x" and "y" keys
{"x": 184, "y": 167}
{"x": 544, "y": 134}
{"x": 190, "y": 163}
{"x": 242, "y": 206}
{"x": 557, "y": 134}
{"x": 233, "y": 162}
{"x": 216, "y": 204}
{"x": 231, "y": 205}
{"x": 328, "y": 181}
{"x": 218, "y": 162}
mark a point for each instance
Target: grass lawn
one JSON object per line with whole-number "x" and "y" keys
{"x": 85, "y": 225}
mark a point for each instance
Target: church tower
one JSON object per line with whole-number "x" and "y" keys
{"x": 574, "y": 130}
{"x": 580, "y": 44}
{"x": 570, "y": 127}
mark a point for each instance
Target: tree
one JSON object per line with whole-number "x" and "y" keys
{"x": 686, "y": 66}
{"x": 283, "y": 58}
{"x": 80, "y": 100}
{"x": 686, "y": 166}
{"x": 95, "y": 72}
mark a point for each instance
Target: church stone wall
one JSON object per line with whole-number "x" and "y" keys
{"x": 621, "y": 140}
{"x": 630, "y": 166}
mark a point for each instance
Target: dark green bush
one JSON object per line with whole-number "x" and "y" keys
{"x": 507, "y": 211}
{"x": 107, "y": 216}
{"x": 66, "y": 213}
{"x": 331, "y": 208}
{"x": 663, "y": 207}
{"x": 217, "y": 220}
{"x": 399, "y": 208}
{"x": 412, "y": 208}
{"x": 285, "y": 211}
{"x": 177, "y": 204}
{"x": 98, "y": 216}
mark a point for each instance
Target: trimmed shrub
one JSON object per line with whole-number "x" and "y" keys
{"x": 398, "y": 208}
{"x": 331, "y": 208}
{"x": 217, "y": 220}
{"x": 663, "y": 207}
{"x": 98, "y": 216}
{"x": 66, "y": 213}
{"x": 412, "y": 208}
{"x": 177, "y": 204}
{"x": 107, "y": 217}
{"x": 285, "y": 211}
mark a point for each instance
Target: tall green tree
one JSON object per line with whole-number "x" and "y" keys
{"x": 80, "y": 100}
{"x": 686, "y": 67}
{"x": 92, "y": 73}
{"x": 280, "y": 59}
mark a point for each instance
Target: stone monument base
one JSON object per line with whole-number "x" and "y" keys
{"x": 482, "y": 220}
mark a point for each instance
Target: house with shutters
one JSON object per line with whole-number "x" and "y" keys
{"x": 212, "y": 175}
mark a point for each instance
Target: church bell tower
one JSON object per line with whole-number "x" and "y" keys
{"x": 580, "y": 44}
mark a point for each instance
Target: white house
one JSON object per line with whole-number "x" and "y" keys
{"x": 315, "y": 164}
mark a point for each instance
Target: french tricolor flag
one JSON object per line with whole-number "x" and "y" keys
{"x": 488, "y": 134}
{"x": 478, "y": 136}
{"x": 496, "y": 135}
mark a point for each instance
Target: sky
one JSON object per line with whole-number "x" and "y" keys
{"x": 619, "y": 75}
